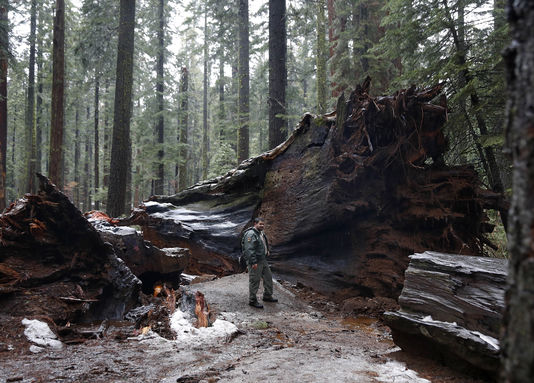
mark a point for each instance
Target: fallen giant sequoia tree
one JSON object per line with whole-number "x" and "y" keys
{"x": 54, "y": 264}
{"x": 346, "y": 199}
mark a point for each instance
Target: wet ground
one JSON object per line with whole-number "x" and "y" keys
{"x": 288, "y": 341}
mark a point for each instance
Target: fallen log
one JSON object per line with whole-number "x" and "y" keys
{"x": 54, "y": 264}
{"x": 149, "y": 263}
{"x": 451, "y": 306}
{"x": 346, "y": 199}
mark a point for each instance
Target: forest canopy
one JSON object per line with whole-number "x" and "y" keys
{"x": 205, "y": 92}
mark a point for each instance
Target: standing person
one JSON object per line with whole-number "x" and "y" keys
{"x": 256, "y": 250}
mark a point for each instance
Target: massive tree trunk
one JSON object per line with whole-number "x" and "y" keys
{"x": 518, "y": 355}
{"x": 4, "y": 39}
{"x": 30, "y": 106}
{"x": 205, "y": 136}
{"x": 243, "y": 77}
{"x": 77, "y": 157}
{"x": 53, "y": 263}
{"x": 96, "y": 143}
{"x": 184, "y": 114}
{"x": 160, "y": 127}
{"x": 277, "y": 72}
{"x": 87, "y": 160}
{"x": 121, "y": 148}
{"x": 321, "y": 58}
{"x": 107, "y": 154}
{"x": 346, "y": 199}
{"x": 39, "y": 99}
{"x": 58, "y": 89}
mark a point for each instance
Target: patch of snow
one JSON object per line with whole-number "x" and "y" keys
{"x": 187, "y": 277}
{"x": 428, "y": 319}
{"x": 36, "y": 349}
{"x": 39, "y": 333}
{"x": 393, "y": 371}
{"x": 186, "y": 333}
{"x": 488, "y": 339}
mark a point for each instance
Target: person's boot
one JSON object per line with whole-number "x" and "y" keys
{"x": 256, "y": 304}
{"x": 270, "y": 299}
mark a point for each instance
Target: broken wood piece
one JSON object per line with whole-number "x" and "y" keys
{"x": 452, "y": 304}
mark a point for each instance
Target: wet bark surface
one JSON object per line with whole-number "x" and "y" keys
{"x": 54, "y": 264}
{"x": 346, "y": 199}
{"x": 451, "y": 307}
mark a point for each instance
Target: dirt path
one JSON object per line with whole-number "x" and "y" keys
{"x": 287, "y": 341}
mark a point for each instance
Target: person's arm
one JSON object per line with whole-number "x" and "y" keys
{"x": 250, "y": 249}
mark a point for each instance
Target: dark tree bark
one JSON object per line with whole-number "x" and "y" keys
{"x": 182, "y": 167}
{"x": 87, "y": 160}
{"x": 96, "y": 143}
{"x": 243, "y": 76}
{"x": 321, "y": 58}
{"x": 222, "y": 111}
{"x": 518, "y": 353}
{"x": 332, "y": 39}
{"x": 105, "y": 180}
{"x": 77, "y": 158}
{"x": 277, "y": 72}
{"x": 58, "y": 88}
{"x": 160, "y": 127}
{"x": 3, "y": 100}
{"x": 39, "y": 99}
{"x": 205, "y": 143}
{"x": 121, "y": 149}
{"x": 355, "y": 190}
{"x": 30, "y": 107}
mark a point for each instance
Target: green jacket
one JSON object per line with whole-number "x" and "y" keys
{"x": 253, "y": 247}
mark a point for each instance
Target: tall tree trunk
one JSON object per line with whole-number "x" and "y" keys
{"x": 160, "y": 173}
{"x": 121, "y": 148}
{"x": 77, "y": 157}
{"x": 518, "y": 353}
{"x": 87, "y": 161}
{"x": 3, "y": 100}
{"x": 332, "y": 39}
{"x": 182, "y": 167}
{"x": 39, "y": 100}
{"x": 107, "y": 157}
{"x": 222, "y": 112}
{"x": 277, "y": 72}
{"x": 321, "y": 57}
{"x": 97, "y": 149}
{"x": 30, "y": 107}
{"x": 243, "y": 75}
{"x": 58, "y": 83}
{"x": 205, "y": 143}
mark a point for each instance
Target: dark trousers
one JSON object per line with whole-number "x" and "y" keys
{"x": 263, "y": 271}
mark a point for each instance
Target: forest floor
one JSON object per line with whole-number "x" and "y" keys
{"x": 302, "y": 338}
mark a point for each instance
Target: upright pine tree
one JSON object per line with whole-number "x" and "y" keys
{"x": 277, "y": 72}
{"x": 243, "y": 76}
{"x": 121, "y": 147}
{"x": 58, "y": 89}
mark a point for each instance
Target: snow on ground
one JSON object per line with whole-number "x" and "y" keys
{"x": 39, "y": 333}
{"x": 187, "y": 333}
